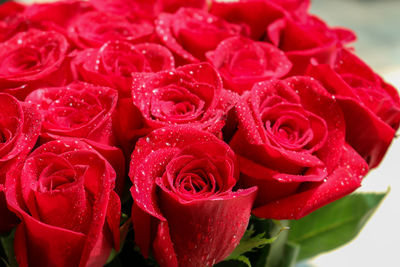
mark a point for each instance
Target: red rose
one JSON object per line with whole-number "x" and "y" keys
{"x": 32, "y": 59}
{"x": 11, "y": 20}
{"x": 147, "y": 9}
{"x": 256, "y": 14}
{"x": 84, "y": 111}
{"x": 189, "y": 33}
{"x": 115, "y": 62}
{"x": 113, "y": 65}
{"x": 70, "y": 215}
{"x": 77, "y": 110}
{"x": 183, "y": 181}
{"x": 20, "y": 128}
{"x": 371, "y": 107}
{"x": 173, "y": 5}
{"x": 57, "y": 16}
{"x": 191, "y": 94}
{"x": 93, "y": 29}
{"x": 243, "y": 62}
{"x": 291, "y": 144}
{"x": 307, "y": 38}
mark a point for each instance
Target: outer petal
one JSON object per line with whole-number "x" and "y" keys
{"x": 368, "y": 133}
{"x": 342, "y": 181}
{"x": 205, "y": 232}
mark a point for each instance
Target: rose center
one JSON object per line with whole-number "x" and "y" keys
{"x": 247, "y": 63}
{"x": 23, "y": 59}
{"x": 72, "y": 111}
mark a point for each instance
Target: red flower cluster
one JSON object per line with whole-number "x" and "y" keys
{"x": 215, "y": 110}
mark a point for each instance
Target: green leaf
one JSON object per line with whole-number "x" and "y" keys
{"x": 277, "y": 250}
{"x": 249, "y": 243}
{"x": 333, "y": 225}
{"x": 244, "y": 259}
{"x": 290, "y": 255}
{"x": 252, "y": 242}
{"x": 8, "y": 245}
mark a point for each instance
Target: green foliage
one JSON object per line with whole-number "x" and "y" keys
{"x": 333, "y": 225}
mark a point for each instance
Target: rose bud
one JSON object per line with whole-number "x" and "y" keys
{"x": 291, "y": 144}
{"x": 115, "y": 62}
{"x": 20, "y": 128}
{"x": 32, "y": 59}
{"x": 371, "y": 107}
{"x": 189, "y": 33}
{"x": 94, "y": 28}
{"x": 190, "y": 95}
{"x": 183, "y": 180}
{"x": 63, "y": 194}
{"x": 307, "y": 38}
{"x": 243, "y": 62}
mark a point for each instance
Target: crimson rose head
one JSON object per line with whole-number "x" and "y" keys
{"x": 291, "y": 144}
{"x": 371, "y": 107}
{"x": 63, "y": 194}
{"x": 189, "y": 95}
{"x": 183, "y": 185}
{"x": 19, "y": 129}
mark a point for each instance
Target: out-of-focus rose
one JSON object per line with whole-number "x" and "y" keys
{"x": 11, "y": 20}
{"x": 148, "y": 9}
{"x": 371, "y": 107}
{"x": 291, "y": 144}
{"x": 32, "y": 59}
{"x": 190, "y": 33}
{"x": 190, "y": 95}
{"x": 56, "y": 15}
{"x": 243, "y": 62}
{"x": 183, "y": 180}
{"x": 63, "y": 194}
{"x": 94, "y": 28}
{"x": 115, "y": 62}
{"x": 19, "y": 130}
{"x": 306, "y": 38}
{"x": 256, "y": 14}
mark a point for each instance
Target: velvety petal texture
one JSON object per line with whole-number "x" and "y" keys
{"x": 11, "y": 20}
{"x": 19, "y": 130}
{"x": 31, "y": 59}
{"x": 307, "y": 38}
{"x": 183, "y": 180}
{"x": 243, "y": 62}
{"x": 95, "y": 28}
{"x": 61, "y": 193}
{"x": 189, "y": 95}
{"x": 371, "y": 107}
{"x": 77, "y": 110}
{"x": 116, "y": 62}
{"x": 190, "y": 33}
{"x": 291, "y": 139}
{"x": 256, "y": 14}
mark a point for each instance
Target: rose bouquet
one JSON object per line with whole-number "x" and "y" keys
{"x": 183, "y": 133}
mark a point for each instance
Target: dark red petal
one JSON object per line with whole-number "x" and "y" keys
{"x": 204, "y": 231}
{"x": 163, "y": 247}
{"x": 342, "y": 181}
